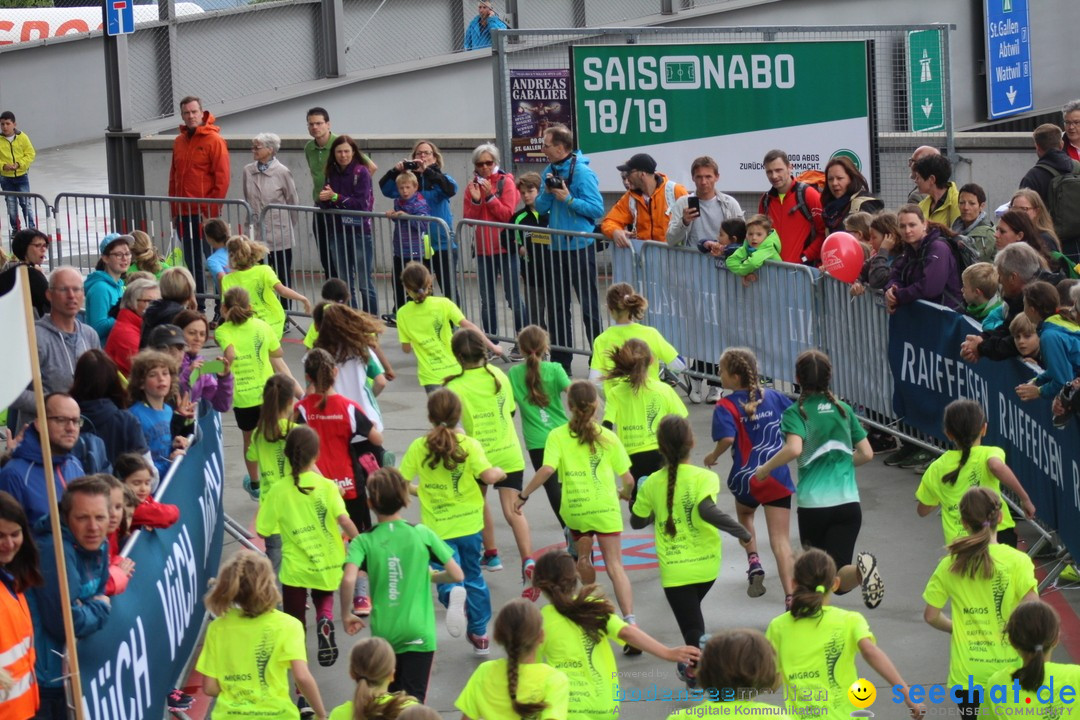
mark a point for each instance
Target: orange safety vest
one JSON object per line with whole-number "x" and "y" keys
{"x": 17, "y": 656}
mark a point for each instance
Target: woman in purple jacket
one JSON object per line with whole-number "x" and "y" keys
{"x": 351, "y": 250}
{"x": 926, "y": 268}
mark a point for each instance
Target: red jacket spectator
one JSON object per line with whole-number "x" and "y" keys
{"x": 200, "y": 167}
{"x": 498, "y": 207}
{"x": 123, "y": 342}
{"x": 152, "y": 514}
{"x": 800, "y": 236}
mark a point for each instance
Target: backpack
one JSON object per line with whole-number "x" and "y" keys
{"x": 1064, "y": 200}
{"x": 963, "y": 251}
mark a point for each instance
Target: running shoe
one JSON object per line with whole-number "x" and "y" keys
{"x": 918, "y": 458}
{"x": 515, "y": 354}
{"x": 306, "y": 711}
{"x": 179, "y": 700}
{"x": 630, "y": 649}
{"x": 252, "y": 489}
{"x": 361, "y": 606}
{"x": 906, "y": 451}
{"x": 529, "y": 592}
{"x": 755, "y": 575}
{"x": 491, "y": 563}
{"x": 481, "y": 644}
{"x": 873, "y": 587}
{"x": 390, "y": 320}
{"x": 686, "y": 673}
{"x": 455, "y": 611}
{"x": 328, "y": 650}
{"x": 695, "y": 391}
{"x": 713, "y": 396}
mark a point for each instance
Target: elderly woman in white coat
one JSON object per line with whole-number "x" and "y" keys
{"x": 268, "y": 182}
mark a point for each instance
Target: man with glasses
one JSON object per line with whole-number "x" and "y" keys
{"x": 1070, "y": 115}
{"x": 646, "y": 206}
{"x": 24, "y": 474}
{"x": 571, "y": 199}
{"x": 61, "y": 339}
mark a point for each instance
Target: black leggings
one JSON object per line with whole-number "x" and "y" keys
{"x": 643, "y": 464}
{"x": 832, "y": 529}
{"x": 685, "y": 602}
{"x": 552, "y": 488}
{"x": 412, "y": 671}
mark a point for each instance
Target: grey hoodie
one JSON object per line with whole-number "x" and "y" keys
{"x": 58, "y": 352}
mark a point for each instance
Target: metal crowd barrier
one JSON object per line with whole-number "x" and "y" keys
{"x": 22, "y": 210}
{"x": 82, "y": 220}
{"x": 562, "y": 290}
{"x": 355, "y": 246}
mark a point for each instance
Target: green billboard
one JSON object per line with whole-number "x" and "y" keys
{"x": 732, "y": 101}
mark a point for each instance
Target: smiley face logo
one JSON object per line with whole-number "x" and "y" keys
{"x": 861, "y": 693}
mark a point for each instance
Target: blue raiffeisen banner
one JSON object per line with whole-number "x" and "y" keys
{"x": 130, "y": 665}
{"x": 924, "y": 354}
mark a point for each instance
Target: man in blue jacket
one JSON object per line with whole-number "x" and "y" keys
{"x": 478, "y": 33}
{"x": 24, "y": 474}
{"x": 571, "y": 198}
{"x": 84, "y": 527}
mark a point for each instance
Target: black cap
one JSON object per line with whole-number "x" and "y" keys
{"x": 641, "y": 162}
{"x": 165, "y": 335}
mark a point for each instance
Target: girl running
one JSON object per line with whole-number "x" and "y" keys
{"x": 1034, "y": 630}
{"x": 748, "y": 422}
{"x": 687, "y": 541}
{"x": 743, "y": 663}
{"x": 350, "y": 446}
{"x": 424, "y": 327}
{"x": 587, "y": 457}
{"x": 350, "y": 338}
{"x": 371, "y": 666}
{"x": 254, "y": 353}
{"x": 579, "y": 622}
{"x": 816, "y": 645}
{"x": 519, "y": 686}
{"x": 265, "y": 457}
{"x": 828, "y": 441}
{"x": 636, "y": 403}
{"x": 985, "y": 581}
{"x": 397, "y": 554}
{"x": 627, "y": 310}
{"x": 310, "y": 516}
{"x": 450, "y": 466}
{"x": 250, "y": 646}
{"x": 972, "y": 464}
{"x": 261, "y": 282}
{"x": 488, "y": 415}
{"x": 538, "y": 386}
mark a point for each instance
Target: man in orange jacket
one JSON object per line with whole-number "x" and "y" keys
{"x": 645, "y": 207}
{"x": 200, "y": 169}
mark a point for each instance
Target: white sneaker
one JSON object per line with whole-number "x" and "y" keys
{"x": 714, "y": 395}
{"x": 695, "y": 391}
{"x": 455, "y": 612}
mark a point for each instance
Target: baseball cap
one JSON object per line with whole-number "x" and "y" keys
{"x": 166, "y": 335}
{"x": 641, "y": 161}
{"x": 113, "y": 239}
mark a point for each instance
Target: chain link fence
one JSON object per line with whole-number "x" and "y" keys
{"x": 892, "y": 110}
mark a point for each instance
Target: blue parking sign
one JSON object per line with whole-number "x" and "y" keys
{"x": 120, "y": 16}
{"x": 1008, "y": 58}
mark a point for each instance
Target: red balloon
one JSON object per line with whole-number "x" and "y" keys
{"x": 842, "y": 257}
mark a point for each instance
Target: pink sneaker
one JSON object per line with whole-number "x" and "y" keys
{"x": 361, "y": 606}
{"x": 481, "y": 644}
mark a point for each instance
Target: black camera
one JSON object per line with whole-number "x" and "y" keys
{"x": 410, "y": 165}
{"x": 553, "y": 182}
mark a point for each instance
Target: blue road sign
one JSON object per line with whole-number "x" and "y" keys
{"x": 1008, "y": 58}
{"x": 120, "y": 16}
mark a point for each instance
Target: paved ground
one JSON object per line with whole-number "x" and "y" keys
{"x": 907, "y": 547}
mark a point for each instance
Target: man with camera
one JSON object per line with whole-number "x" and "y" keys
{"x": 571, "y": 198}
{"x": 645, "y": 206}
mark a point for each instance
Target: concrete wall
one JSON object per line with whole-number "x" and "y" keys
{"x": 57, "y": 88}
